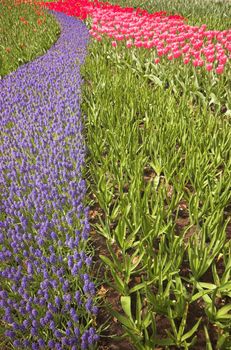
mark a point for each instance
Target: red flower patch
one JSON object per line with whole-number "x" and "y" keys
{"x": 171, "y": 36}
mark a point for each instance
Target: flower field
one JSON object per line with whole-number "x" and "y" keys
{"x": 115, "y": 199}
{"x": 25, "y": 33}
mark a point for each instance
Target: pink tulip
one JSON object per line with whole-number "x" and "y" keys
{"x": 220, "y": 69}
{"x": 209, "y": 67}
{"x": 129, "y": 44}
{"x": 168, "y": 36}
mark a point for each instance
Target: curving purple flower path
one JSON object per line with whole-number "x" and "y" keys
{"x": 46, "y": 294}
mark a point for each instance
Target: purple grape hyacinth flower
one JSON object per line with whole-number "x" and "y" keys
{"x": 43, "y": 219}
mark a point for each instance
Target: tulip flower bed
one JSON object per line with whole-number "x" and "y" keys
{"x": 25, "y": 33}
{"x": 157, "y": 102}
{"x": 46, "y": 292}
{"x": 169, "y": 35}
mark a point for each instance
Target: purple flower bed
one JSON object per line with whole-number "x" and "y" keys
{"x": 46, "y": 293}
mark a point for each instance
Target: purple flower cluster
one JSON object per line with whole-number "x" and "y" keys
{"x": 46, "y": 294}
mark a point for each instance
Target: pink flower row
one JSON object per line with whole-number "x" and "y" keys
{"x": 171, "y": 36}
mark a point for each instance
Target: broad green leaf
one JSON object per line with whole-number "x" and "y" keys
{"x": 126, "y": 305}
{"x": 108, "y": 262}
{"x": 123, "y": 320}
{"x": 155, "y": 79}
{"x": 214, "y": 99}
{"x": 224, "y": 287}
{"x": 208, "y": 342}
{"x": 199, "y": 295}
{"x": 192, "y": 331}
{"x": 138, "y": 309}
{"x": 200, "y": 285}
{"x": 170, "y": 317}
{"x": 165, "y": 342}
{"x": 223, "y": 312}
{"x": 142, "y": 285}
{"x": 182, "y": 324}
{"x": 222, "y": 341}
{"x": 119, "y": 284}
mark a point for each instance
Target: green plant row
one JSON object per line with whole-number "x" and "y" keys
{"x": 159, "y": 167}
